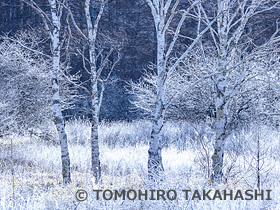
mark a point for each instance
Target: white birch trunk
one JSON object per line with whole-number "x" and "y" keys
{"x": 94, "y": 130}
{"x": 226, "y": 50}
{"x": 58, "y": 119}
{"x": 162, "y": 19}
{"x": 92, "y": 33}
{"x": 221, "y": 83}
{"x": 154, "y": 158}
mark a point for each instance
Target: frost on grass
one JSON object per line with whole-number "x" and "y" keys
{"x": 37, "y": 181}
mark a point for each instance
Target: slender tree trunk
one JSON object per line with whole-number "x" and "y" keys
{"x": 58, "y": 119}
{"x": 92, "y": 33}
{"x": 94, "y": 129}
{"x": 220, "y": 128}
{"x": 221, "y": 110}
{"x": 155, "y": 158}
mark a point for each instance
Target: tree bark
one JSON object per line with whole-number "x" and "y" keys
{"x": 221, "y": 110}
{"x": 154, "y": 158}
{"x": 94, "y": 132}
{"x": 92, "y": 33}
{"x": 58, "y": 119}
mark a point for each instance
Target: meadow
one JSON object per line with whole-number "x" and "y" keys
{"x": 30, "y": 166}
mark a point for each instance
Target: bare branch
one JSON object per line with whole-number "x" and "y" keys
{"x": 24, "y": 46}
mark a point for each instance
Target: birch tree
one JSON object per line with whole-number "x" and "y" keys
{"x": 92, "y": 34}
{"x": 98, "y": 60}
{"x": 164, "y": 12}
{"x": 228, "y": 37}
{"x": 52, "y": 24}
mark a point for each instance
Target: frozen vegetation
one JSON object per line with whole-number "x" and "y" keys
{"x": 211, "y": 87}
{"x": 31, "y": 166}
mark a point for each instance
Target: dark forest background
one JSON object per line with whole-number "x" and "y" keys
{"x": 131, "y": 19}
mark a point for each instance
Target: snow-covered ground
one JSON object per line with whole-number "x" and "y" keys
{"x": 36, "y": 167}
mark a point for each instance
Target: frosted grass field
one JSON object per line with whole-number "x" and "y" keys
{"x": 36, "y": 165}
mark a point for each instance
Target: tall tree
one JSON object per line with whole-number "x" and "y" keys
{"x": 228, "y": 36}
{"x": 164, "y": 13}
{"x": 52, "y": 25}
{"x": 97, "y": 61}
{"x": 92, "y": 26}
